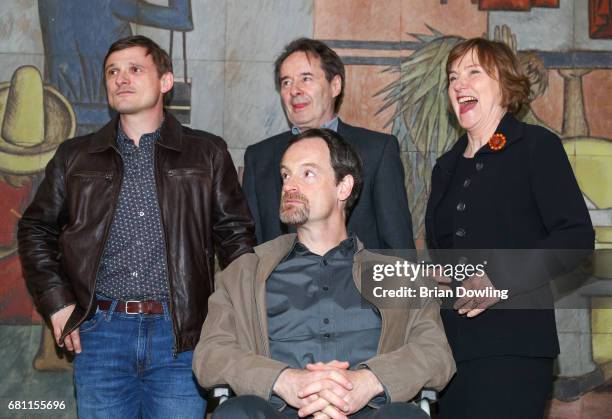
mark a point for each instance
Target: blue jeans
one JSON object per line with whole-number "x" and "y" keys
{"x": 127, "y": 370}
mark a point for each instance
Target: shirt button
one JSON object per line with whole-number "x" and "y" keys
{"x": 466, "y": 183}
{"x": 326, "y": 336}
{"x": 141, "y": 213}
{"x": 326, "y": 321}
{"x": 325, "y": 288}
{"x": 460, "y": 232}
{"x": 479, "y": 166}
{"x": 461, "y": 206}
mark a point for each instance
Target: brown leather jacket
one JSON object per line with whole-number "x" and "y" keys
{"x": 63, "y": 232}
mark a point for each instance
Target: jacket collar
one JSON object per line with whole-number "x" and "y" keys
{"x": 272, "y": 253}
{"x": 341, "y": 126}
{"x": 106, "y": 137}
{"x": 509, "y": 126}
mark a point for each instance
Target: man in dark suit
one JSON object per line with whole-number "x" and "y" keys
{"x": 310, "y": 78}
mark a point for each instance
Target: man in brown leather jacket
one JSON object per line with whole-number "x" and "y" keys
{"x": 118, "y": 244}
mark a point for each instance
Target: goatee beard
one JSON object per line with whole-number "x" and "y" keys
{"x": 294, "y": 214}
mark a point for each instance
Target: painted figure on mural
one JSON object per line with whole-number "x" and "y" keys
{"x": 108, "y": 246}
{"x": 35, "y": 118}
{"x": 76, "y": 35}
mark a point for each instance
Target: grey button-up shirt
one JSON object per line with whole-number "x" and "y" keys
{"x": 133, "y": 265}
{"x": 315, "y": 311}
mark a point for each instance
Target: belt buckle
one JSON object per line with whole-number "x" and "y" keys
{"x": 133, "y": 301}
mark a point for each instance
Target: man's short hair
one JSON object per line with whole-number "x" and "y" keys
{"x": 330, "y": 62}
{"x": 344, "y": 160}
{"x": 162, "y": 60}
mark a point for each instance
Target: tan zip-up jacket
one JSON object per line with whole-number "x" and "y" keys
{"x": 234, "y": 348}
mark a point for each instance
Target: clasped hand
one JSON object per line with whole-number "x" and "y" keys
{"x": 469, "y": 305}
{"x": 327, "y": 390}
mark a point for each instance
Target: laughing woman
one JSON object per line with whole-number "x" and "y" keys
{"x": 504, "y": 185}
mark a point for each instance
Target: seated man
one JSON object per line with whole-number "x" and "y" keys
{"x": 286, "y": 326}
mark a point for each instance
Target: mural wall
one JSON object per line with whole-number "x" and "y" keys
{"x": 51, "y": 88}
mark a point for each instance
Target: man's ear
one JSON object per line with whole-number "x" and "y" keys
{"x": 336, "y": 85}
{"x": 345, "y": 187}
{"x": 167, "y": 81}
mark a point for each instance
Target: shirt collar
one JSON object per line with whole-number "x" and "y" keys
{"x": 348, "y": 246}
{"x": 126, "y": 145}
{"x": 332, "y": 125}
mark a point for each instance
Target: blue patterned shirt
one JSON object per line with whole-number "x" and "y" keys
{"x": 133, "y": 265}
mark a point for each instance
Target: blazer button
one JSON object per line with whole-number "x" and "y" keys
{"x": 461, "y": 206}
{"x": 479, "y": 166}
{"x": 460, "y": 232}
{"x": 466, "y": 182}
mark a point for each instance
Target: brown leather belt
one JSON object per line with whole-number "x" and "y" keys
{"x": 133, "y": 307}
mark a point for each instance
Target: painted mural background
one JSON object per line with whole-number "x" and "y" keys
{"x": 51, "y": 87}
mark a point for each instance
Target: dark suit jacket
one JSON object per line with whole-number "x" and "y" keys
{"x": 524, "y": 196}
{"x": 381, "y": 218}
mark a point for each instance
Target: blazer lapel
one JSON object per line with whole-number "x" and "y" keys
{"x": 440, "y": 180}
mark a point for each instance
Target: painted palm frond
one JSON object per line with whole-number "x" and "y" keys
{"x": 422, "y": 120}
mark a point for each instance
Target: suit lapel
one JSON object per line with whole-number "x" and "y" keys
{"x": 441, "y": 177}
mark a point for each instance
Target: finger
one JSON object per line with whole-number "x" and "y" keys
{"x": 339, "y": 364}
{"x": 442, "y": 279}
{"x": 57, "y": 332}
{"x": 76, "y": 340}
{"x": 310, "y": 408}
{"x": 472, "y": 304}
{"x": 475, "y": 312}
{"x": 341, "y": 379}
{"x": 319, "y": 366}
{"x": 333, "y": 413}
{"x": 334, "y": 399}
{"x": 317, "y": 387}
{"x": 309, "y": 399}
{"x": 68, "y": 343}
{"x": 461, "y": 302}
{"x": 310, "y": 389}
{"x": 320, "y": 415}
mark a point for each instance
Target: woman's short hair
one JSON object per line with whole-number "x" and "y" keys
{"x": 494, "y": 55}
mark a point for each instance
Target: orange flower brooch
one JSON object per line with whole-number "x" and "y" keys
{"x": 497, "y": 141}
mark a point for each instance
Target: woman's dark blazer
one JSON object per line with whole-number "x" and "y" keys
{"x": 523, "y": 196}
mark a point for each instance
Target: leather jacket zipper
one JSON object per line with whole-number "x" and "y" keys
{"x": 163, "y": 230}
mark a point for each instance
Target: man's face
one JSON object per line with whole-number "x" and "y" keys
{"x": 310, "y": 192}
{"x": 132, "y": 83}
{"x": 307, "y": 96}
